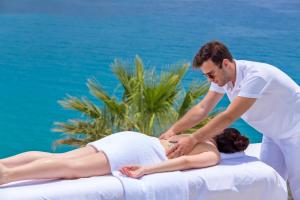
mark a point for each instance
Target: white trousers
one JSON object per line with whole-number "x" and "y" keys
{"x": 284, "y": 156}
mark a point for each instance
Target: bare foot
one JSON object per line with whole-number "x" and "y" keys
{"x": 3, "y": 173}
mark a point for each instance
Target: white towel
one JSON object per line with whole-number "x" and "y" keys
{"x": 159, "y": 186}
{"x": 130, "y": 148}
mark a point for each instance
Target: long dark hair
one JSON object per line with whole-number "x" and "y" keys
{"x": 231, "y": 140}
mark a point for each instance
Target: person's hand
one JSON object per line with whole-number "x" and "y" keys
{"x": 169, "y": 133}
{"x": 133, "y": 171}
{"x": 183, "y": 146}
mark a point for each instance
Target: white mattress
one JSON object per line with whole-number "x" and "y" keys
{"x": 238, "y": 177}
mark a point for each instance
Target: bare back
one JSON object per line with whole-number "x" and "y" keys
{"x": 208, "y": 145}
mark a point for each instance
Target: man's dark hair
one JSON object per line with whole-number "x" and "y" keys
{"x": 214, "y": 50}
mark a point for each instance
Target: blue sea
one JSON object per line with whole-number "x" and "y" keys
{"x": 50, "y": 48}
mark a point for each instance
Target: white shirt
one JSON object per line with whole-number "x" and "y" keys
{"x": 276, "y": 112}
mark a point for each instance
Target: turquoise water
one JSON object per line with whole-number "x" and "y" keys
{"x": 49, "y": 48}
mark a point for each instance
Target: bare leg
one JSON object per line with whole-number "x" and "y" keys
{"x": 30, "y": 156}
{"x": 52, "y": 168}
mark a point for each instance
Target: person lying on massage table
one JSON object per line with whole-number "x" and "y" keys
{"x": 133, "y": 154}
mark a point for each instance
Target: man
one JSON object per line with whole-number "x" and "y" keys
{"x": 262, "y": 95}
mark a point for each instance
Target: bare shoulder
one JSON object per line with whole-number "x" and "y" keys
{"x": 204, "y": 154}
{"x": 206, "y": 146}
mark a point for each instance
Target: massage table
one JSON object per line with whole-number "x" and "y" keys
{"x": 238, "y": 176}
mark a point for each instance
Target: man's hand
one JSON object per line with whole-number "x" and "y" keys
{"x": 183, "y": 146}
{"x": 169, "y": 133}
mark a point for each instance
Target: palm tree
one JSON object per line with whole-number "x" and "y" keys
{"x": 149, "y": 103}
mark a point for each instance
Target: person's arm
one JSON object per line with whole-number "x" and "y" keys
{"x": 234, "y": 111}
{"x": 215, "y": 126}
{"x": 205, "y": 159}
{"x": 194, "y": 115}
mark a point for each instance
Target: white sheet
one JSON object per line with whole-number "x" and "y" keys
{"x": 94, "y": 188}
{"x": 171, "y": 185}
{"x": 241, "y": 177}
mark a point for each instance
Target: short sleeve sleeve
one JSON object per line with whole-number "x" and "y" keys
{"x": 252, "y": 87}
{"x": 214, "y": 87}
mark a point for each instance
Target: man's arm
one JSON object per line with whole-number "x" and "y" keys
{"x": 235, "y": 110}
{"x": 195, "y": 114}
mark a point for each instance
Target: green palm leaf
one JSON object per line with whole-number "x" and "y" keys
{"x": 82, "y": 105}
{"x": 149, "y": 104}
{"x": 195, "y": 91}
{"x": 110, "y": 103}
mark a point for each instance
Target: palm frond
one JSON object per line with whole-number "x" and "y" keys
{"x": 82, "y": 105}
{"x": 139, "y": 68}
{"x": 126, "y": 77}
{"x": 75, "y": 127}
{"x": 69, "y": 141}
{"x": 195, "y": 91}
{"x": 149, "y": 104}
{"x": 110, "y": 102}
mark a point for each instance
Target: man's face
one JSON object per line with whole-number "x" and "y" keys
{"x": 215, "y": 73}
